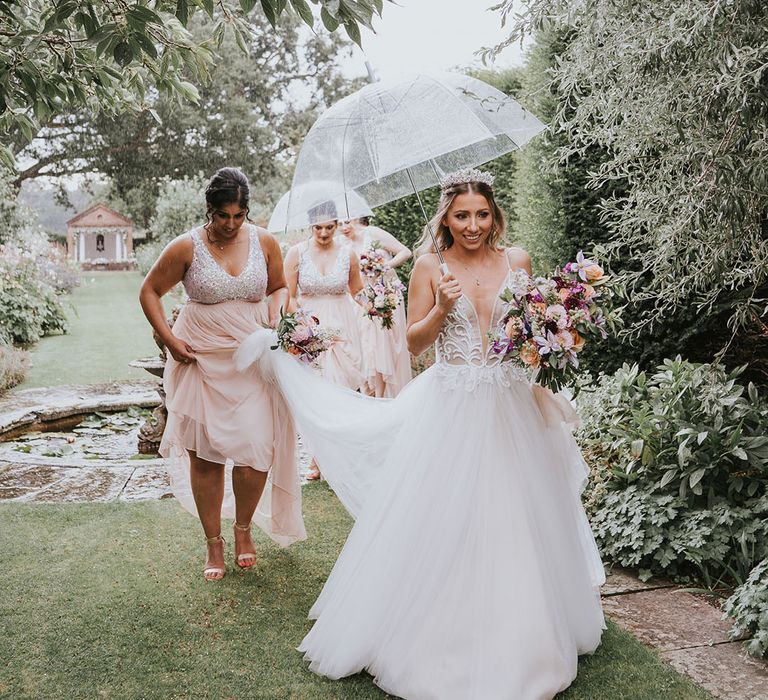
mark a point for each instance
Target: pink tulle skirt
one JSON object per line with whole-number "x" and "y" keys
{"x": 342, "y": 363}
{"x": 386, "y": 359}
{"x": 230, "y": 418}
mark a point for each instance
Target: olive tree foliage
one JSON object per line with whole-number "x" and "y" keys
{"x": 110, "y": 55}
{"x": 675, "y": 93}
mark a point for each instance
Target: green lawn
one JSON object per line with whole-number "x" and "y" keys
{"x": 107, "y": 331}
{"x": 107, "y": 601}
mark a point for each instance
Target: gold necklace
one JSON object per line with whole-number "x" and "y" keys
{"x": 217, "y": 243}
{"x": 472, "y": 274}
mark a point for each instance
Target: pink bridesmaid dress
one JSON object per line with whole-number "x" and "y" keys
{"x": 327, "y": 298}
{"x": 222, "y": 415}
{"x": 386, "y": 359}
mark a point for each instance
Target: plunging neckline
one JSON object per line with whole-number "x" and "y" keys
{"x": 216, "y": 262}
{"x": 317, "y": 269}
{"x": 484, "y": 336}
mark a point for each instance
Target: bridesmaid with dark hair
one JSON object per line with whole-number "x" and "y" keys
{"x": 229, "y": 438}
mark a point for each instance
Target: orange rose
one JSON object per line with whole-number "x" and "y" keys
{"x": 589, "y": 291}
{"x": 563, "y": 294}
{"x": 578, "y": 341}
{"x": 512, "y": 329}
{"x": 529, "y": 354}
{"x": 593, "y": 272}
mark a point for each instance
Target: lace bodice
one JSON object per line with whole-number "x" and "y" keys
{"x": 312, "y": 283}
{"x": 463, "y": 357}
{"x": 207, "y": 282}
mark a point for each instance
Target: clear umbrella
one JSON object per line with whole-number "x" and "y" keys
{"x": 316, "y": 201}
{"x": 391, "y": 139}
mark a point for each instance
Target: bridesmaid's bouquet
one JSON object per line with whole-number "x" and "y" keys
{"x": 381, "y": 298}
{"x": 373, "y": 263}
{"x": 300, "y": 334}
{"x": 383, "y": 291}
{"x": 548, "y": 320}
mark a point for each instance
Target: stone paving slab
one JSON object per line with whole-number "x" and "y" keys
{"x": 23, "y": 409}
{"x": 147, "y": 482}
{"x": 71, "y": 484}
{"x": 620, "y": 581}
{"x": 668, "y": 619}
{"x": 725, "y": 670}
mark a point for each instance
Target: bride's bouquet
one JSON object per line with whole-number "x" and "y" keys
{"x": 300, "y": 334}
{"x": 548, "y": 320}
{"x": 383, "y": 291}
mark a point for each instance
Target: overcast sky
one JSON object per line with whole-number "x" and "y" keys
{"x": 418, "y": 36}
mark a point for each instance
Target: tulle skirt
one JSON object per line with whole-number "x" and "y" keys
{"x": 471, "y": 572}
{"x": 230, "y": 418}
{"x": 343, "y": 363}
{"x": 386, "y": 359}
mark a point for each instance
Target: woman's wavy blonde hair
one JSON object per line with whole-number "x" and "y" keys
{"x": 443, "y": 234}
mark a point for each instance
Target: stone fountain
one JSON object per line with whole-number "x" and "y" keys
{"x": 151, "y": 432}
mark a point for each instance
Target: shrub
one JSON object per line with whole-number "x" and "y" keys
{"x": 29, "y": 305}
{"x": 146, "y": 254}
{"x": 689, "y": 429}
{"x": 659, "y": 533}
{"x": 179, "y": 207}
{"x": 13, "y": 366}
{"x": 748, "y": 606}
{"x": 680, "y": 466}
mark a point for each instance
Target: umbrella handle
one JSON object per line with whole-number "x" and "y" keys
{"x": 444, "y": 268}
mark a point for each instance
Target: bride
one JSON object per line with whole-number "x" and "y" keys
{"x": 470, "y": 572}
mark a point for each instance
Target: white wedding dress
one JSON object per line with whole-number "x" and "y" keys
{"x": 471, "y": 572}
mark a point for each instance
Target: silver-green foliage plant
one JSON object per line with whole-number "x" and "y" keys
{"x": 685, "y": 493}
{"x": 676, "y": 93}
{"x": 748, "y": 606}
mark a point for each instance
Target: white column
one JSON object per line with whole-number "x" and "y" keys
{"x": 81, "y": 247}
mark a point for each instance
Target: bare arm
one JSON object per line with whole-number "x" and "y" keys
{"x": 165, "y": 274}
{"x": 355, "y": 278}
{"x": 519, "y": 259}
{"x": 399, "y": 252}
{"x": 291, "y": 268}
{"x": 277, "y": 288}
{"x": 425, "y": 315}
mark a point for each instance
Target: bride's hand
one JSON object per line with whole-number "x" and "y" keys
{"x": 448, "y": 291}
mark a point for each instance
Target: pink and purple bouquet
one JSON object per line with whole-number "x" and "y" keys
{"x": 381, "y": 298}
{"x": 301, "y": 334}
{"x": 383, "y": 291}
{"x": 548, "y": 320}
{"x": 373, "y": 263}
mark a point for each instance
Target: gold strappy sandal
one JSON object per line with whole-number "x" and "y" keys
{"x": 214, "y": 573}
{"x": 246, "y": 560}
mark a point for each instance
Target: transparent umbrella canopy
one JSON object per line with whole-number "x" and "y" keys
{"x": 391, "y": 139}
{"x": 321, "y": 198}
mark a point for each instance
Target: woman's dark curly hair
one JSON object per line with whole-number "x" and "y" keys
{"x": 227, "y": 186}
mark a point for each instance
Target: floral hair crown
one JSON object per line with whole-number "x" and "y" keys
{"x": 462, "y": 177}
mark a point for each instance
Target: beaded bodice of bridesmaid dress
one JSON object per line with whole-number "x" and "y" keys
{"x": 312, "y": 283}
{"x": 207, "y": 282}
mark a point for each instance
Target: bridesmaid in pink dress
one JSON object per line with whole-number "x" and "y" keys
{"x": 323, "y": 278}
{"x": 385, "y": 354}
{"x": 229, "y": 438}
